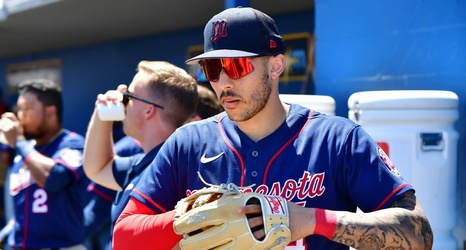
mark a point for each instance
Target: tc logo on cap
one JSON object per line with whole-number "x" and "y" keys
{"x": 220, "y": 30}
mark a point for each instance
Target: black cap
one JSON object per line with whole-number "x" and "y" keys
{"x": 240, "y": 32}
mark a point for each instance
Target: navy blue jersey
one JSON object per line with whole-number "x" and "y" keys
{"x": 100, "y": 199}
{"x": 127, "y": 146}
{"x": 312, "y": 159}
{"x": 128, "y": 179}
{"x": 98, "y": 211}
{"x": 127, "y": 172}
{"x": 50, "y": 217}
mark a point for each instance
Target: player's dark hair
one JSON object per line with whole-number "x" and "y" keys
{"x": 48, "y": 93}
{"x": 207, "y": 104}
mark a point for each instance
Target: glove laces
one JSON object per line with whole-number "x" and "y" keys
{"x": 231, "y": 188}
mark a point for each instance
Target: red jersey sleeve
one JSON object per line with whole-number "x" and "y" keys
{"x": 138, "y": 227}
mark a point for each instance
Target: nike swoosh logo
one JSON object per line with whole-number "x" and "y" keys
{"x": 205, "y": 159}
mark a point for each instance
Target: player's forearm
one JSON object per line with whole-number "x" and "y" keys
{"x": 39, "y": 165}
{"x": 98, "y": 147}
{"x": 392, "y": 228}
{"x": 402, "y": 226}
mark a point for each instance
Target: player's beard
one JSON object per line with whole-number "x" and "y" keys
{"x": 29, "y": 136}
{"x": 256, "y": 103}
{"x": 39, "y": 133}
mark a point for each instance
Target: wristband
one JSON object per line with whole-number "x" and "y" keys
{"x": 326, "y": 223}
{"x": 24, "y": 148}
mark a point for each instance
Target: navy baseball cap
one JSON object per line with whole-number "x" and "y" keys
{"x": 240, "y": 32}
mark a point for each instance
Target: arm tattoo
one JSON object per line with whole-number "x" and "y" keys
{"x": 402, "y": 226}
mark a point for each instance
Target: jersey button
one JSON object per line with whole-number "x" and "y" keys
{"x": 255, "y": 153}
{"x": 254, "y": 173}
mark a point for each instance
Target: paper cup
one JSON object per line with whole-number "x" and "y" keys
{"x": 111, "y": 111}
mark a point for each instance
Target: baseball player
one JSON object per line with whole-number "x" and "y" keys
{"x": 160, "y": 98}
{"x": 325, "y": 166}
{"x": 47, "y": 181}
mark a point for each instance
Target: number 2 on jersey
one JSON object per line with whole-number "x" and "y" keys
{"x": 39, "y": 205}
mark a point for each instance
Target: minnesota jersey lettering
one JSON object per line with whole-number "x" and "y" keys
{"x": 308, "y": 186}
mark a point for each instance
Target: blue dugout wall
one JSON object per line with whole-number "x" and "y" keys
{"x": 395, "y": 45}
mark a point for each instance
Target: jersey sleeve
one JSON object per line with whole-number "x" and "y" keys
{"x": 159, "y": 188}
{"x": 68, "y": 163}
{"x": 59, "y": 177}
{"x": 122, "y": 165}
{"x": 147, "y": 230}
{"x": 372, "y": 179}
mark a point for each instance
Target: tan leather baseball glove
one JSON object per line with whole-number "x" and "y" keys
{"x": 208, "y": 219}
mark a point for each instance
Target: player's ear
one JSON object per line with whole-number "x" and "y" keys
{"x": 150, "y": 111}
{"x": 50, "y": 111}
{"x": 277, "y": 66}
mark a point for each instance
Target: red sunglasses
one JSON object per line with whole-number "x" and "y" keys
{"x": 234, "y": 67}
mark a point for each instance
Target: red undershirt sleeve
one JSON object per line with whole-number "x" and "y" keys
{"x": 138, "y": 227}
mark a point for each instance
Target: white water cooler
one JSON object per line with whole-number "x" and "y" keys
{"x": 322, "y": 103}
{"x": 415, "y": 128}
